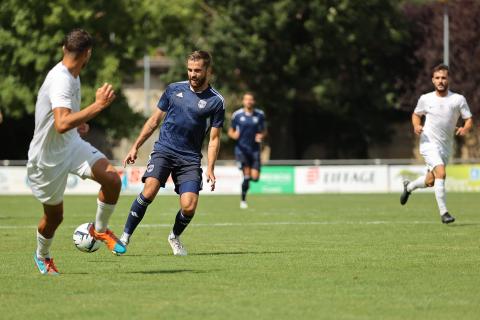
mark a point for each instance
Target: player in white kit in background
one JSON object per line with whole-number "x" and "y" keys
{"x": 442, "y": 109}
{"x": 57, "y": 149}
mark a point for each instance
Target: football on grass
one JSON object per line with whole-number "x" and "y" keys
{"x": 83, "y": 240}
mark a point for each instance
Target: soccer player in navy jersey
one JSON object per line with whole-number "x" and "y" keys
{"x": 188, "y": 109}
{"x": 248, "y": 129}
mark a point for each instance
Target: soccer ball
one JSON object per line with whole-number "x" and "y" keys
{"x": 83, "y": 240}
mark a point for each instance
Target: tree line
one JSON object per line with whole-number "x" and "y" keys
{"x": 332, "y": 76}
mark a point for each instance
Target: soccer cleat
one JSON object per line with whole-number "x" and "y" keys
{"x": 243, "y": 205}
{"x": 177, "y": 247}
{"x": 110, "y": 240}
{"x": 405, "y": 193}
{"x": 45, "y": 266}
{"x": 447, "y": 218}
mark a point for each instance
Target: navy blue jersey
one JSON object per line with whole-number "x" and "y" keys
{"x": 248, "y": 124}
{"x": 189, "y": 116}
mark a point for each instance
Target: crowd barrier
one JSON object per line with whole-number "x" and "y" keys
{"x": 274, "y": 179}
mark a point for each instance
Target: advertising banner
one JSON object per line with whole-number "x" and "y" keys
{"x": 13, "y": 180}
{"x": 460, "y": 177}
{"x": 318, "y": 179}
{"x": 278, "y": 179}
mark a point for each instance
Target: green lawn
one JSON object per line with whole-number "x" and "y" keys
{"x": 287, "y": 257}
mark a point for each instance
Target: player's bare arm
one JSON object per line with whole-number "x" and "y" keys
{"x": 233, "y": 134}
{"x": 148, "y": 129}
{"x": 417, "y": 123}
{"x": 212, "y": 154}
{"x": 66, "y": 120}
{"x": 467, "y": 126}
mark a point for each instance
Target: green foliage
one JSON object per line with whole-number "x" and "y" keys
{"x": 31, "y": 33}
{"x": 315, "y": 66}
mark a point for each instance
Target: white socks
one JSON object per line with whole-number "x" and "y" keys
{"x": 104, "y": 212}
{"x": 417, "y": 183}
{"x": 43, "y": 246}
{"x": 439, "y": 188}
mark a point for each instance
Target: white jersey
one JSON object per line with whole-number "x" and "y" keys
{"x": 60, "y": 89}
{"x": 441, "y": 116}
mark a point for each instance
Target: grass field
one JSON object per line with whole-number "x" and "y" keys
{"x": 287, "y": 257}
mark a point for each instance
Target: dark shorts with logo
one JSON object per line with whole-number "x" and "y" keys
{"x": 186, "y": 176}
{"x": 247, "y": 159}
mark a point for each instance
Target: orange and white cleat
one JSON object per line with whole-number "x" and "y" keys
{"x": 45, "y": 265}
{"x": 110, "y": 240}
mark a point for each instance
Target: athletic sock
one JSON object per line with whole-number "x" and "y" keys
{"x": 417, "y": 183}
{"x": 43, "y": 246}
{"x": 245, "y": 187}
{"x": 181, "y": 222}
{"x": 440, "y": 195}
{"x": 104, "y": 212}
{"x": 137, "y": 211}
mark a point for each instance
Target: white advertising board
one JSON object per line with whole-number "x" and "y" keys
{"x": 318, "y": 179}
{"x": 13, "y": 180}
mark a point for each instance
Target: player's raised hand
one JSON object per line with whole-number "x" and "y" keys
{"x": 83, "y": 129}
{"x": 461, "y": 131}
{"x": 211, "y": 179}
{"x": 418, "y": 130}
{"x": 105, "y": 95}
{"x": 130, "y": 158}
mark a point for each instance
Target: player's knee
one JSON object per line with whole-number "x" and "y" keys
{"x": 112, "y": 181}
{"x": 189, "y": 207}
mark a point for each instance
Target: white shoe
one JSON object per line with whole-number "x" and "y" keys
{"x": 243, "y": 205}
{"x": 177, "y": 247}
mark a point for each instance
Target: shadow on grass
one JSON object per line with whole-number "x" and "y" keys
{"x": 235, "y": 253}
{"x": 167, "y": 271}
{"x": 466, "y": 224}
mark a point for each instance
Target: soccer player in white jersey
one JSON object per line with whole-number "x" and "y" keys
{"x": 57, "y": 149}
{"x": 442, "y": 109}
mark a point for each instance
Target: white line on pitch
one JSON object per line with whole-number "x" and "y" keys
{"x": 246, "y": 224}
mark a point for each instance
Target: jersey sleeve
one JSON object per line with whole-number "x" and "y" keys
{"x": 164, "y": 101}
{"x": 234, "y": 122}
{"x": 61, "y": 93}
{"x": 465, "y": 109}
{"x": 421, "y": 108}
{"x": 218, "y": 117}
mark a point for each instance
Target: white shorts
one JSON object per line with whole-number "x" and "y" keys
{"x": 48, "y": 183}
{"x": 433, "y": 155}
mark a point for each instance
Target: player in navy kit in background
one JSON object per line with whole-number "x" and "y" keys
{"x": 248, "y": 129}
{"x": 189, "y": 109}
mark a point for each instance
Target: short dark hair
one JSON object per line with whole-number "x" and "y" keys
{"x": 439, "y": 67}
{"x": 201, "y": 55}
{"x": 77, "y": 41}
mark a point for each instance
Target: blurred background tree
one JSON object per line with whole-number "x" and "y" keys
{"x": 334, "y": 77}
{"x": 324, "y": 71}
{"x": 426, "y": 23}
{"x": 31, "y": 35}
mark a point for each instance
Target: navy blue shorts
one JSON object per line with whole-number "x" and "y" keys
{"x": 186, "y": 176}
{"x": 250, "y": 159}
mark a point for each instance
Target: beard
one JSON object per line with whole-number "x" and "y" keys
{"x": 441, "y": 88}
{"x": 196, "y": 83}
